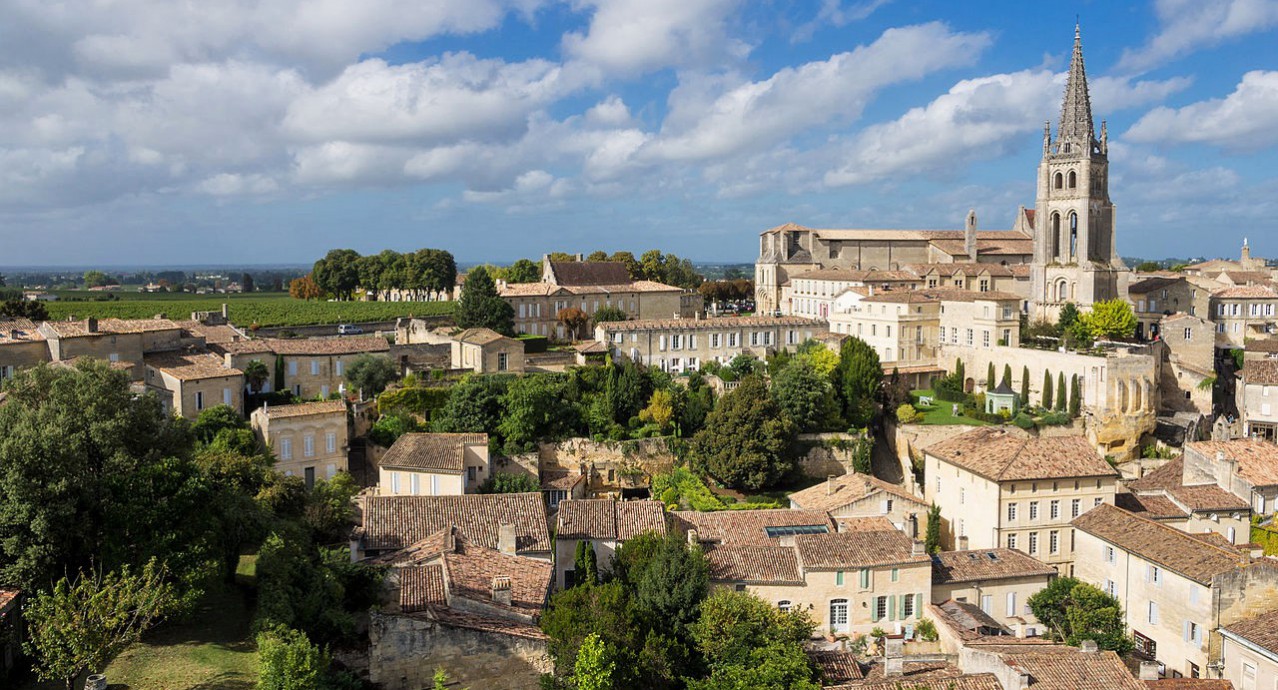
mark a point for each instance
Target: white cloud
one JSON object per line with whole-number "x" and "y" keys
{"x": 1187, "y": 25}
{"x": 628, "y": 37}
{"x": 231, "y": 184}
{"x": 833, "y": 12}
{"x": 1245, "y": 119}
{"x": 713, "y": 117}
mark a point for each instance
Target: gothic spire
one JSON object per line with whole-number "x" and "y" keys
{"x": 1076, "y": 112}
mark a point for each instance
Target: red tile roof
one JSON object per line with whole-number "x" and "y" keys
{"x": 839, "y": 491}
{"x": 394, "y": 522}
{"x": 1003, "y": 454}
{"x": 772, "y": 565}
{"x": 848, "y": 550}
{"x": 441, "y": 452}
{"x": 1261, "y": 630}
{"x": 1155, "y": 542}
{"x": 735, "y": 527}
{"x": 985, "y": 565}
{"x": 607, "y": 519}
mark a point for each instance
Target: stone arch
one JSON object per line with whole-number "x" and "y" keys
{"x": 1056, "y": 235}
{"x": 1073, "y": 179}
{"x": 1058, "y": 181}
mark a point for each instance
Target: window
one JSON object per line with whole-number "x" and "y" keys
{"x": 1011, "y": 512}
{"x": 1189, "y": 334}
{"x": 880, "y": 608}
{"x": 1053, "y": 542}
{"x": 969, "y": 336}
{"x": 1109, "y": 554}
{"x": 1153, "y": 613}
{"x": 985, "y": 285}
{"x": 962, "y": 496}
{"x": 839, "y": 615}
{"x": 838, "y": 578}
{"x": 1033, "y": 510}
{"x": 1011, "y": 541}
{"x": 1074, "y": 507}
{"x": 985, "y": 338}
{"x": 1098, "y": 501}
{"x": 330, "y": 442}
{"x": 308, "y": 446}
{"x": 907, "y": 606}
{"x": 309, "y": 475}
{"x": 987, "y": 604}
{"x": 414, "y": 484}
{"x": 503, "y": 361}
{"x": 113, "y": 357}
{"x": 292, "y": 368}
{"x": 783, "y": 605}
{"x": 1109, "y": 588}
{"x": 1011, "y": 604}
{"x": 471, "y": 473}
{"x": 314, "y": 367}
{"x": 338, "y": 368}
{"x": 1033, "y": 543}
{"x": 1054, "y": 510}
{"x": 226, "y": 396}
{"x": 865, "y": 578}
{"x": 1154, "y": 575}
{"x": 1193, "y": 633}
{"x": 286, "y": 449}
{"x": 896, "y": 574}
{"x": 199, "y": 400}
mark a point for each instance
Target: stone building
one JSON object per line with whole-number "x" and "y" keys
{"x": 391, "y": 523}
{"x": 421, "y": 464}
{"x": 1190, "y": 502}
{"x": 22, "y": 346}
{"x": 486, "y": 351}
{"x": 1157, "y": 297}
{"x": 118, "y": 341}
{"x": 861, "y": 495}
{"x": 192, "y": 381}
{"x": 1189, "y": 359}
{"x": 604, "y": 524}
{"x": 1258, "y": 399}
{"x": 1247, "y": 468}
{"x": 1249, "y": 651}
{"x": 1244, "y": 312}
{"x": 999, "y": 487}
{"x": 310, "y": 440}
{"x": 678, "y": 345}
{"x": 811, "y": 295}
{"x": 309, "y": 367}
{"x": 1177, "y": 588}
{"x": 997, "y": 581}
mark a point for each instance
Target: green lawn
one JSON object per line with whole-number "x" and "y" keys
{"x": 213, "y": 649}
{"x": 264, "y": 309}
{"x": 940, "y": 412}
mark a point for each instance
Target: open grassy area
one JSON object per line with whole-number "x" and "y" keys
{"x": 269, "y": 309}
{"x": 940, "y": 412}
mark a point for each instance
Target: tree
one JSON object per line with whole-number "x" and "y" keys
{"x": 804, "y": 395}
{"x": 1060, "y": 392}
{"x": 573, "y": 321}
{"x": 594, "y": 667}
{"x": 509, "y": 483}
{"x": 24, "y": 309}
{"x": 932, "y": 539}
{"x": 338, "y": 272}
{"x": 534, "y": 410}
{"x": 82, "y": 623}
{"x": 1075, "y": 397}
{"x": 1148, "y": 267}
{"x": 474, "y": 405}
{"x": 859, "y": 375}
{"x": 609, "y": 314}
{"x": 748, "y": 643}
{"x": 523, "y": 271}
{"x": 1110, "y": 319}
{"x": 746, "y": 441}
{"x": 246, "y": 282}
{"x": 1067, "y": 317}
{"x": 289, "y": 661}
{"x": 633, "y": 267}
{"x": 370, "y": 374}
{"x": 1007, "y": 376}
{"x": 214, "y": 420}
{"x": 481, "y": 307}
{"x": 670, "y": 584}
{"x": 989, "y": 377}
{"x": 585, "y": 564}
{"x": 1047, "y": 389}
{"x": 660, "y": 410}
{"x": 95, "y": 279}
{"x": 304, "y": 288}
{"x": 1025, "y": 390}
{"x": 1074, "y": 611}
{"x": 602, "y": 610}
{"x": 256, "y": 374}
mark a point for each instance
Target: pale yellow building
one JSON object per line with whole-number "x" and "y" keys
{"x": 486, "y": 351}
{"x": 997, "y": 581}
{"x": 1243, "y": 312}
{"x": 1249, "y": 652}
{"x": 309, "y": 367}
{"x": 1000, "y": 487}
{"x": 190, "y": 382}
{"x": 434, "y": 465}
{"x": 22, "y": 346}
{"x": 679, "y": 345}
{"x": 855, "y": 495}
{"x": 309, "y": 439}
{"x": 589, "y": 286}
{"x": 1190, "y": 503}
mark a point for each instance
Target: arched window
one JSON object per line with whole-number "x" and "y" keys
{"x": 1056, "y": 235}
{"x": 1073, "y": 179}
{"x": 1059, "y": 180}
{"x": 1073, "y": 233}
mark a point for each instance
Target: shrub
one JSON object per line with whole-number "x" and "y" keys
{"x": 534, "y": 344}
{"x": 1055, "y": 418}
{"x": 1023, "y": 421}
{"x": 289, "y": 661}
{"x": 927, "y": 630}
{"x": 417, "y": 400}
{"x": 509, "y": 483}
{"x": 950, "y": 388}
{"x": 388, "y": 428}
{"x": 906, "y": 414}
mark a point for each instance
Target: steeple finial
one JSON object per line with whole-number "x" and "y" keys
{"x": 1076, "y": 128}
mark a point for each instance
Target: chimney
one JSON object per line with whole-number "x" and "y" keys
{"x": 1149, "y": 670}
{"x": 962, "y": 543}
{"x": 893, "y": 657}
{"x": 829, "y": 485}
{"x": 1088, "y": 647}
{"x": 506, "y": 539}
{"x": 580, "y": 257}
{"x": 225, "y": 314}
{"x": 693, "y": 537}
{"x": 917, "y": 548}
{"x": 969, "y": 235}
{"x": 91, "y": 324}
{"x": 501, "y": 590}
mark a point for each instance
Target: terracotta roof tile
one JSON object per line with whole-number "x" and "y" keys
{"x": 985, "y": 565}
{"x": 840, "y": 491}
{"x": 479, "y": 336}
{"x": 421, "y": 587}
{"x": 1173, "y": 549}
{"x": 588, "y": 272}
{"x": 344, "y": 345}
{"x": 1262, "y": 630}
{"x": 1257, "y": 460}
{"x": 726, "y": 322}
{"x": 976, "y": 681}
{"x": 1003, "y": 454}
{"x": 849, "y": 550}
{"x": 1069, "y": 669}
{"x": 1188, "y": 684}
{"x": 78, "y": 329}
{"x": 754, "y": 564}
{"x": 1167, "y": 476}
{"x": 190, "y": 366}
{"x": 19, "y": 330}
{"x": 836, "y": 667}
{"x": 420, "y": 451}
{"x": 1246, "y": 292}
{"x": 305, "y": 409}
{"x": 393, "y": 522}
{"x": 606, "y": 519}
{"x": 738, "y": 527}
{"x": 1152, "y": 506}
{"x": 1260, "y": 371}
{"x": 561, "y": 480}
{"x": 471, "y": 569}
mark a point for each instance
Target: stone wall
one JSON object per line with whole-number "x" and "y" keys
{"x": 612, "y": 464}
{"x": 826, "y": 454}
{"x": 404, "y": 652}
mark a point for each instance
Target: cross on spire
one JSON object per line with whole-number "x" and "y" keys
{"x": 1076, "y": 126}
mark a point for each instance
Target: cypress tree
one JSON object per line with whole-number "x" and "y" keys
{"x": 1025, "y": 386}
{"x": 1007, "y": 376}
{"x": 1060, "y": 392}
{"x": 592, "y": 564}
{"x": 1047, "y": 389}
{"x": 933, "y": 538}
{"x": 960, "y": 372}
{"x": 1075, "y": 397}
{"x": 989, "y": 378}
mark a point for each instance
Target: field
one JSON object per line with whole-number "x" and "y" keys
{"x": 273, "y": 309}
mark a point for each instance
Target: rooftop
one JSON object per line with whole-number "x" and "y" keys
{"x": 420, "y": 451}
{"x": 754, "y": 564}
{"x": 839, "y": 491}
{"x": 1171, "y": 548}
{"x": 1257, "y": 460}
{"x": 19, "y": 330}
{"x": 394, "y": 522}
{"x": 79, "y": 329}
{"x": 985, "y": 565}
{"x": 1002, "y": 454}
{"x": 849, "y": 550}
{"x": 727, "y": 322}
{"x": 479, "y": 336}
{"x": 1072, "y": 669}
{"x": 588, "y": 272}
{"x": 191, "y": 366}
{"x": 304, "y": 409}
{"x": 737, "y": 527}
{"x": 1261, "y": 371}
{"x": 344, "y": 345}
{"x": 1261, "y": 630}
{"x": 603, "y": 518}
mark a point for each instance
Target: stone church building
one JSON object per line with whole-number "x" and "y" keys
{"x": 1067, "y": 239}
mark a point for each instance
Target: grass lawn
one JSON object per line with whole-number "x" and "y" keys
{"x": 214, "y": 649}
{"x": 940, "y": 412}
{"x": 264, "y": 309}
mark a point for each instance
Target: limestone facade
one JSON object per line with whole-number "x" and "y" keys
{"x": 678, "y": 345}
{"x": 310, "y": 440}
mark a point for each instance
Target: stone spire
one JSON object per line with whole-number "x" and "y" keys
{"x": 1076, "y": 112}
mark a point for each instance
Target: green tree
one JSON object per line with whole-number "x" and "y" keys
{"x": 862, "y": 456}
{"x": 474, "y": 405}
{"x": 805, "y": 395}
{"x": 481, "y": 307}
{"x": 989, "y": 378}
{"x": 370, "y": 374}
{"x": 1110, "y": 319}
{"x": 82, "y": 623}
{"x": 1075, "y": 397}
{"x": 509, "y": 483}
{"x": 609, "y": 314}
{"x": 960, "y": 371}
{"x": 256, "y": 374}
{"x": 747, "y": 643}
{"x": 1067, "y": 317}
{"x": 289, "y": 661}
{"x": 670, "y": 584}
{"x": 633, "y": 267}
{"x": 523, "y": 271}
{"x": 95, "y": 279}
{"x": 1061, "y": 392}
{"x": 1148, "y": 267}
{"x": 1047, "y": 390}
{"x": 595, "y": 666}
{"x": 338, "y": 272}
{"x": 1074, "y": 611}
{"x": 534, "y": 410}
{"x": 660, "y": 410}
{"x": 214, "y": 420}
{"x": 932, "y": 540}
{"x": 746, "y": 442}
{"x": 859, "y": 375}
{"x": 1007, "y": 376}
{"x": 1025, "y": 386}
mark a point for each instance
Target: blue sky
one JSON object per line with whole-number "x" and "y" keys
{"x": 147, "y": 132}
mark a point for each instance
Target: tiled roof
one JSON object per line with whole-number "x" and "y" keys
{"x": 77, "y": 329}
{"x": 878, "y": 523}
{"x": 479, "y": 336}
{"x": 1188, "y": 684}
{"x": 1167, "y": 476}
{"x": 914, "y": 671}
{"x": 1247, "y": 277}
{"x": 421, "y": 587}
{"x": 19, "y": 330}
{"x": 1262, "y": 630}
{"x": 736, "y": 527}
{"x": 1069, "y": 669}
{"x": 528, "y": 289}
{"x": 589, "y": 272}
{"x": 1261, "y": 371}
{"x": 420, "y": 451}
{"x": 305, "y": 409}
{"x": 561, "y": 480}
{"x": 966, "y": 268}
{"x": 840, "y": 491}
{"x": 1158, "y": 543}
{"x": 957, "y": 295}
{"x": 1152, "y": 506}
{"x": 985, "y": 565}
{"x": 394, "y": 522}
{"x": 1205, "y": 497}
{"x": 849, "y": 550}
{"x": 1002, "y": 247}
{"x": 344, "y": 345}
{"x": 754, "y": 564}
{"x": 1257, "y": 460}
{"x": 970, "y": 618}
{"x": 190, "y": 366}
{"x": 727, "y": 322}
{"x": 604, "y": 518}
{"x": 470, "y": 570}
{"x": 850, "y": 275}
{"x": 1001, "y": 454}
{"x": 1262, "y": 345}
{"x": 1150, "y": 284}
{"x": 220, "y": 333}
{"x": 975, "y": 681}
{"x": 836, "y": 667}
{"x": 1246, "y": 292}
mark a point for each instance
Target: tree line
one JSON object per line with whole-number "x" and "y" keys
{"x": 427, "y": 273}
{"x": 651, "y": 265}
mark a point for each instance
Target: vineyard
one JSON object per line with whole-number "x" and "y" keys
{"x": 245, "y": 310}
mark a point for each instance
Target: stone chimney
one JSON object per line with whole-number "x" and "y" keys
{"x": 693, "y": 537}
{"x": 1088, "y": 647}
{"x": 969, "y": 235}
{"x": 962, "y": 543}
{"x": 918, "y": 548}
{"x": 225, "y": 313}
{"x": 893, "y": 657}
{"x": 501, "y": 590}
{"x": 506, "y": 539}
{"x": 91, "y": 324}
{"x": 829, "y": 485}
{"x": 1149, "y": 670}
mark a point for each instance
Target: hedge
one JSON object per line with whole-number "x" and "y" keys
{"x": 1266, "y": 538}
{"x": 534, "y": 344}
{"x": 422, "y": 401}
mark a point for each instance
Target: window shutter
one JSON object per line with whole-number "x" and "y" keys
{"x": 883, "y": 507}
{"x": 891, "y": 607}
{"x": 904, "y": 606}
{"x": 661, "y": 343}
{"x": 874, "y": 609}
{"x": 1185, "y": 630}
{"x": 918, "y": 605}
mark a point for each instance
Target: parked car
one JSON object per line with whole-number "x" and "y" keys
{"x": 349, "y": 329}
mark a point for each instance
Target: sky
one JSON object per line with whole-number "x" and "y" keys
{"x": 150, "y": 132}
